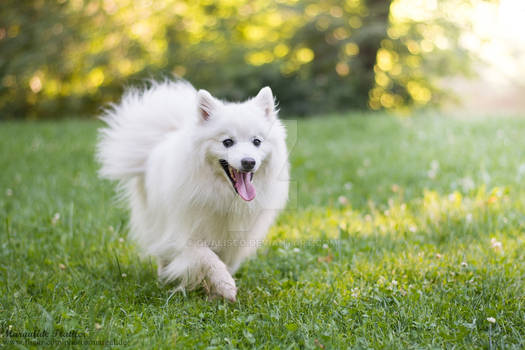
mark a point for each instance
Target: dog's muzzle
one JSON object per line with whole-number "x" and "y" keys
{"x": 241, "y": 179}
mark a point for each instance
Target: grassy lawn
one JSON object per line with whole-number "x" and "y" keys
{"x": 401, "y": 233}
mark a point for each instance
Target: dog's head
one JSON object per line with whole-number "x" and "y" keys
{"x": 237, "y": 138}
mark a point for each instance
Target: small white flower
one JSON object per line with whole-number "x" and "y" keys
{"x": 9, "y": 192}
{"x": 412, "y": 228}
{"x": 342, "y": 200}
{"x": 434, "y": 168}
{"x": 495, "y": 244}
{"x": 121, "y": 240}
{"x": 467, "y": 184}
{"x": 325, "y": 246}
{"x": 124, "y": 275}
{"x": 464, "y": 264}
{"x": 296, "y": 250}
{"x": 55, "y": 219}
{"x": 491, "y": 319}
{"x": 521, "y": 171}
{"x": 394, "y": 282}
{"x": 468, "y": 218}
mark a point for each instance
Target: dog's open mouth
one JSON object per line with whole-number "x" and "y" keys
{"x": 241, "y": 181}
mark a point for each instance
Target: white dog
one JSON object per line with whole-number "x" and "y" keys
{"x": 204, "y": 178}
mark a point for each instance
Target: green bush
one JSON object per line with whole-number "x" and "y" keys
{"x": 64, "y": 58}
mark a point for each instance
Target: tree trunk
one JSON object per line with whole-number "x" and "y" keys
{"x": 372, "y": 33}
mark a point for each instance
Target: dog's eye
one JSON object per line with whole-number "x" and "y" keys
{"x": 228, "y": 143}
{"x": 256, "y": 142}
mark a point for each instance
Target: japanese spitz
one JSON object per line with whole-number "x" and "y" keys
{"x": 204, "y": 178}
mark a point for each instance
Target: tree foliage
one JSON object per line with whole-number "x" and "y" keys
{"x": 63, "y": 58}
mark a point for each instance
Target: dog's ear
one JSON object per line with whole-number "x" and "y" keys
{"x": 206, "y": 104}
{"x": 264, "y": 99}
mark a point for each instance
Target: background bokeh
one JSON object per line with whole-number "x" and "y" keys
{"x": 68, "y": 58}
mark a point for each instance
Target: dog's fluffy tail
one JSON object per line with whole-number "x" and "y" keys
{"x": 138, "y": 123}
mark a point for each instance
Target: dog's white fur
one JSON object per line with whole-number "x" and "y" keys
{"x": 163, "y": 145}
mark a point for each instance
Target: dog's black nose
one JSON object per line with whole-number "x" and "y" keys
{"x": 247, "y": 164}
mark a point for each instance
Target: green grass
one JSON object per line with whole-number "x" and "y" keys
{"x": 401, "y": 233}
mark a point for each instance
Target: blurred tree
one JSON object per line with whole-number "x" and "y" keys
{"x": 64, "y": 58}
{"x": 344, "y": 40}
{"x": 421, "y": 47}
{"x": 369, "y": 40}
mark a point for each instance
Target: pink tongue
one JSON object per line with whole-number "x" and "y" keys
{"x": 244, "y": 185}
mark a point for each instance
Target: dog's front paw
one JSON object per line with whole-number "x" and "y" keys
{"x": 221, "y": 283}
